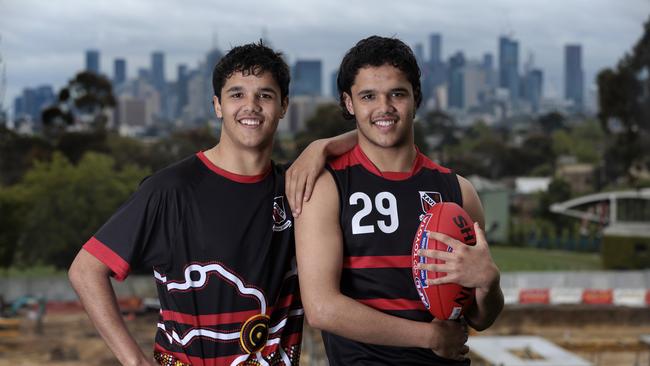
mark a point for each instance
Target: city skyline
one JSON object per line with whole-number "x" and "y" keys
{"x": 43, "y": 46}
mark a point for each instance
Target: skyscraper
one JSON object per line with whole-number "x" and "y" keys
{"x": 158, "y": 70}
{"x": 418, "y": 50}
{"x": 119, "y": 71}
{"x": 306, "y": 78}
{"x": 574, "y": 75}
{"x": 455, "y": 80}
{"x": 509, "y": 66}
{"x": 435, "y": 48}
{"x": 92, "y": 61}
{"x": 334, "y": 92}
{"x": 534, "y": 86}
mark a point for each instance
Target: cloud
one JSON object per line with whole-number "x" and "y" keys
{"x": 44, "y": 42}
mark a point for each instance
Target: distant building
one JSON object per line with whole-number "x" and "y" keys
{"x": 158, "y": 70}
{"x": 435, "y": 48}
{"x": 455, "y": 80}
{"x": 334, "y": 89}
{"x": 533, "y": 87}
{"x": 306, "y": 78}
{"x": 301, "y": 108}
{"x": 92, "y": 61}
{"x": 31, "y": 102}
{"x": 509, "y": 66}
{"x": 574, "y": 76}
{"x": 119, "y": 71}
{"x": 418, "y": 50}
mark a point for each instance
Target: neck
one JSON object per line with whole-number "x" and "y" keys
{"x": 390, "y": 159}
{"x": 240, "y": 160}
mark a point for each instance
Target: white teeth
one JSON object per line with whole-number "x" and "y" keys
{"x": 385, "y": 123}
{"x": 250, "y": 122}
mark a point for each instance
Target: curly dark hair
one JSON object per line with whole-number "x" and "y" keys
{"x": 255, "y": 59}
{"x": 377, "y": 51}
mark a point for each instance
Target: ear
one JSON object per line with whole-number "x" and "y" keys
{"x": 348, "y": 103}
{"x": 217, "y": 106}
{"x": 285, "y": 105}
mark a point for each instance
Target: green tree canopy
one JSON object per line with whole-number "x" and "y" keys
{"x": 60, "y": 205}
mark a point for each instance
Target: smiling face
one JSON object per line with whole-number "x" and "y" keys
{"x": 383, "y": 105}
{"x": 250, "y": 107}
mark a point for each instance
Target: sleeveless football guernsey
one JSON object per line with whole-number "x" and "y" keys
{"x": 379, "y": 215}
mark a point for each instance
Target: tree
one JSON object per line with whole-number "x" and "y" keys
{"x": 17, "y": 153}
{"x": 327, "y": 121}
{"x": 60, "y": 205}
{"x": 624, "y": 99}
{"x": 82, "y": 102}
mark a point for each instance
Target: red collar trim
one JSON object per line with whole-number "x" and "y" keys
{"x": 363, "y": 159}
{"x": 232, "y": 176}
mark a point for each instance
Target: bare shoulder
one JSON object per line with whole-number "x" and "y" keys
{"x": 471, "y": 201}
{"x": 324, "y": 199}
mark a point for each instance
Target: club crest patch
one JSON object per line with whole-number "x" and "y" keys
{"x": 280, "y": 220}
{"x": 427, "y": 200}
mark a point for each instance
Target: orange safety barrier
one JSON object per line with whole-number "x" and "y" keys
{"x": 598, "y": 296}
{"x": 535, "y": 296}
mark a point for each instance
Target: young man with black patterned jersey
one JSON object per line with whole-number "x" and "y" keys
{"x": 217, "y": 230}
{"x": 354, "y": 236}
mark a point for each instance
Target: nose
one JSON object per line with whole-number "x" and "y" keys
{"x": 386, "y": 104}
{"x": 253, "y": 104}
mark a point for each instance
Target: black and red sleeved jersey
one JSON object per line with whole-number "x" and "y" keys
{"x": 221, "y": 246}
{"x": 379, "y": 215}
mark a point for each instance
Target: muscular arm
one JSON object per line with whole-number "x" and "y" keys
{"x": 319, "y": 246}
{"x": 489, "y": 298}
{"x": 90, "y": 279}
{"x": 302, "y": 174}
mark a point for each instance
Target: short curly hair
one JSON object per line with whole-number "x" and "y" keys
{"x": 377, "y": 51}
{"x": 252, "y": 59}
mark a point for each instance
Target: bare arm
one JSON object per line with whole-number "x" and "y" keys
{"x": 471, "y": 266}
{"x": 319, "y": 246}
{"x": 90, "y": 279}
{"x": 302, "y": 174}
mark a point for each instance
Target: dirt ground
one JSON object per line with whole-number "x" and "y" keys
{"x": 602, "y": 335}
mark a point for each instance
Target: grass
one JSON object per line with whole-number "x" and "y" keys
{"x": 510, "y": 259}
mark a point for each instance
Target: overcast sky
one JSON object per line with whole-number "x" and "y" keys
{"x": 43, "y": 42}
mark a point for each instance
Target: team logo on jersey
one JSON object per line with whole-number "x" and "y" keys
{"x": 280, "y": 221}
{"x": 428, "y": 200}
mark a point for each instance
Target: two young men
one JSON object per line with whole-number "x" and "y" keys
{"x": 354, "y": 236}
{"x": 217, "y": 231}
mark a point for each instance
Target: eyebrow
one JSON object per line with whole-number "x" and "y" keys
{"x": 239, "y": 89}
{"x": 368, "y": 91}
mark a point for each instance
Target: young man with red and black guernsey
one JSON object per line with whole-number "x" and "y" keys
{"x": 354, "y": 236}
{"x": 217, "y": 230}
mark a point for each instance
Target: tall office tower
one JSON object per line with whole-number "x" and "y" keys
{"x": 435, "y": 48}
{"x": 182, "y": 79}
{"x": 509, "y": 66}
{"x": 533, "y": 87}
{"x": 574, "y": 75}
{"x": 418, "y": 50}
{"x": 119, "y": 71}
{"x": 488, "y": 67}
{"x": 306, "y": 78}
{"x": 455, "y": 80}
{"x": 334, "y": 89}
{"x": 92, "y": 61}
{"x": 158, "y": 70}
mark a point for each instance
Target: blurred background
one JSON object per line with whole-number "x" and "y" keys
{"x": 543, "y": 105}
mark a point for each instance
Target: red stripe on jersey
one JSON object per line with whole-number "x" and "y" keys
{"x": 221, "y": 318}
{"x": 356, "y": 156}
{"x": 208, "y": 319}
{"x": 106, "y": 255}
{"x": 378, "y": 261}
{"x": 393, "y": 304}
{"x": 232, "y": 176}
{"x": 287, "y": 341}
